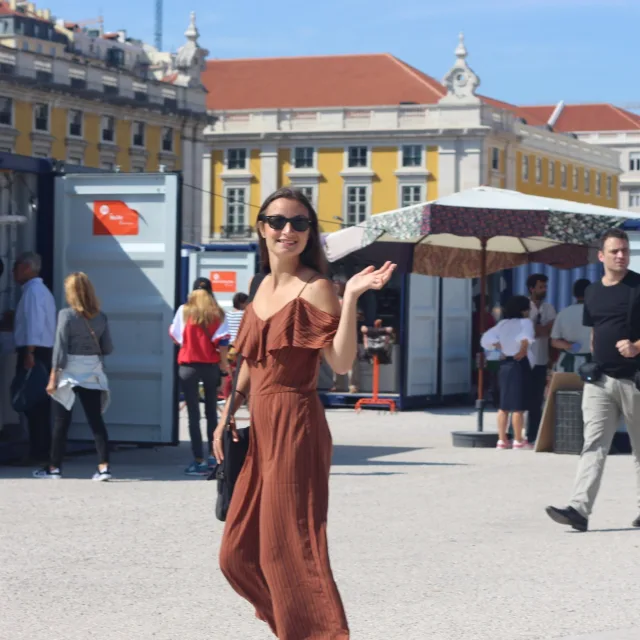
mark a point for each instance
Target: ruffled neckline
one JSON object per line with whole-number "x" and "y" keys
{"x": 299, "y": 323}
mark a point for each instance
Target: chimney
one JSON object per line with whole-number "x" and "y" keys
{"x": 31, "y": 8}
{"x": 13, "y": 5}
{"x": 46, "y": 14}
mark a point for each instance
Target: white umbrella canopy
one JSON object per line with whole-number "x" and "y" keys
{"x": 501, "y": 228}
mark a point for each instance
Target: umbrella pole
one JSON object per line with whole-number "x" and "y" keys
{"x": 481, "y": 328}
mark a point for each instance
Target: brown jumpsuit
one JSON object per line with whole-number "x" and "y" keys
{"x": 274, "y": 549}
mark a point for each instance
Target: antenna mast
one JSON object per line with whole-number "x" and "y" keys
{"x": 158, "y": 29}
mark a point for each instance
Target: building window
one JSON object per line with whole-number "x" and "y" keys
{"x": 41, "y": 117}
{"x": 237, "y": 159}
{"x": 140, "y": 96}
{"x": 574, "y": 178}
{"x": 74, "y": 160}
{"x": 609, "y": 187}
{"x": 108, "y": 129}
{"x": 357, "y": 157}
{"x": 412, "y": 155}
{"x": 106, "y": 166}
{"x": 171, "y": 104}
{"x": 587, "y": 181}
{"x": 634, "y": 161}
{"x": 356, "y": 205}
{"x": 75, "y": 123}
{"x": 44, "y": 77}
{"x": 236, "y": 210}
{"x": 598, "y": 184}
{"x": 563, "y": 176}
{"x": 303, "y": 157}
{"x": 411, "y": 195}
{"x": 6, "y": 111}
{"x": 78, "y": 83}
{"x": 525, "y": 168}
{"x": 538, "y": 170}
{"x": 167, "y": 139}
{"x": 110, "y": 90}
{"x": 308, "y": 192}
{"x": 552, "y": 173}
{"x": 495, "y": 159}
{"x": 138, "y": 134}
{"x": 634, "y": 198}
{"x": 137, "y": 169}
{"x": 7, "y": 69}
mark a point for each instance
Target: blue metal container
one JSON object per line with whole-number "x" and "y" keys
{"x": 560, "y": 292}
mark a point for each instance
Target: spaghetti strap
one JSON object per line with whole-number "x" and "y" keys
{"x": 315, "y": 276}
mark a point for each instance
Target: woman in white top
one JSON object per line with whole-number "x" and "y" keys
{"x": 513, "y": 337}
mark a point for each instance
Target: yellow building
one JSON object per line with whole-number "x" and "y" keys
{"x": 365, "y": 134}
{"x": 84, "y": 97}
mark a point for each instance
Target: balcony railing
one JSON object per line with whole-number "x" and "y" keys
{"x": 235, "y": 231}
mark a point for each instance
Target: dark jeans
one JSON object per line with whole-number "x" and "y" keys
{"x": 91, "y": 400}
{"x": 190, "y": 376}
{"x": 38, "y": 418}
{"x": 536, "y": 400}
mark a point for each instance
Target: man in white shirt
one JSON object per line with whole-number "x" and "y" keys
{"x": 569, "y": 335}
{"x": 34, "y": 333}
{"x": 542, "y": 315}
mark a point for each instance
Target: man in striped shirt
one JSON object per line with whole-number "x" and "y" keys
{"x": 234, "y": 317}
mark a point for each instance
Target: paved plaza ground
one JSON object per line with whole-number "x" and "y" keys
{"x": 427, "y": 542}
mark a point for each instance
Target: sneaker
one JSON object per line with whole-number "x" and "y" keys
{"x": 568, "y": 516}
{"x": 45, "y": 472}
{"x": 197, "y": 469}
{"x": 102, "y": 476}
{"x": 522, "y": 445}
{"x": 212, "y": 463}
{"x": 502, "y": 444}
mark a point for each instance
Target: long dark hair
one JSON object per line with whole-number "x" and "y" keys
{"x": 313, "y": 255}
{"x": 515, "y": 307}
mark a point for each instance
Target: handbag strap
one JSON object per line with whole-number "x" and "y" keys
{"x": 234, "y": 386}
{"x": 93, "y": 335}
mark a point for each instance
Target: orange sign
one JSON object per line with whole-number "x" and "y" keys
{"x": 223, "y": 281}
{"x": 114, "y": 218}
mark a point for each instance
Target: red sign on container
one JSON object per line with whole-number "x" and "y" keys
{"x": 114, "y": 218}
{"x": 223, "y": 281}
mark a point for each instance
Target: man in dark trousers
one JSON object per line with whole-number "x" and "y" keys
{"x": 34, "y": 332}
{"x": 542, "y": 315}
{"x": 612, "y": 310}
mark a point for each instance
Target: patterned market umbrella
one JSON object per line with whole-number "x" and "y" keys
{"x": 483, "y": 230}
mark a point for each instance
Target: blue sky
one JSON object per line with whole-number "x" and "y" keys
{"x": 525, "y": 51}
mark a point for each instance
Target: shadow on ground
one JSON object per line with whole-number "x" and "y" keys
{"x": 167, "y": 464}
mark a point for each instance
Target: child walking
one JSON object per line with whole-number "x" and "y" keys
{"x": 513, "y": 337}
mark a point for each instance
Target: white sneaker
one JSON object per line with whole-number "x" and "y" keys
{"x": 47, "y": 473}
{"x": 102, "y": 476}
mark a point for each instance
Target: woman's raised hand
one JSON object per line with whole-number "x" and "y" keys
{"x": 370, "y": 278}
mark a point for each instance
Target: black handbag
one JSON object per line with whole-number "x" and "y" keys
{"x": 226, "y": 472}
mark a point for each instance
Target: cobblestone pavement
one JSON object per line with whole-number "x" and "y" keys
{"x": 427, "y": 542}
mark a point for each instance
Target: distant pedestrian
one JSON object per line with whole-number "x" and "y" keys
{"x": 612, "y": 310}
{"x": 234, "y": 317}
{"x": 569, "y": 335}
{"x": 513, "y": 337}
{"x": 201, "y": 330}
{"x": 82, "y": 340}
{"x": 542, "y": 315}
{"x": 34, "y": 332}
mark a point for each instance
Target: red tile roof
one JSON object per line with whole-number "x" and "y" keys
{"x": 324, "y": 81}
{"x": 6, "y": 10}
{"x": 589, "y": 117}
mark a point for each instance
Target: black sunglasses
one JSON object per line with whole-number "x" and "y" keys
{"x": 278, "y": 223}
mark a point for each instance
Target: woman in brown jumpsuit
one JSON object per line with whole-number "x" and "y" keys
{"x": 274, "y": 550}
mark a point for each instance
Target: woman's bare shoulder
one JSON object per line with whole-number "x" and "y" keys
{"x": 321, "y": 293}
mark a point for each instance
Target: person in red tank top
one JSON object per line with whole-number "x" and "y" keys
{"x": 201, "y": 330}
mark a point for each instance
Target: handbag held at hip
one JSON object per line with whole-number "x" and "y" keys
{"x": 226, "y": 472}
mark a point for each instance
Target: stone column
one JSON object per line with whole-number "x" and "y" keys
{"x": 268, "y": 170}
{"x": 207, "y": 188}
